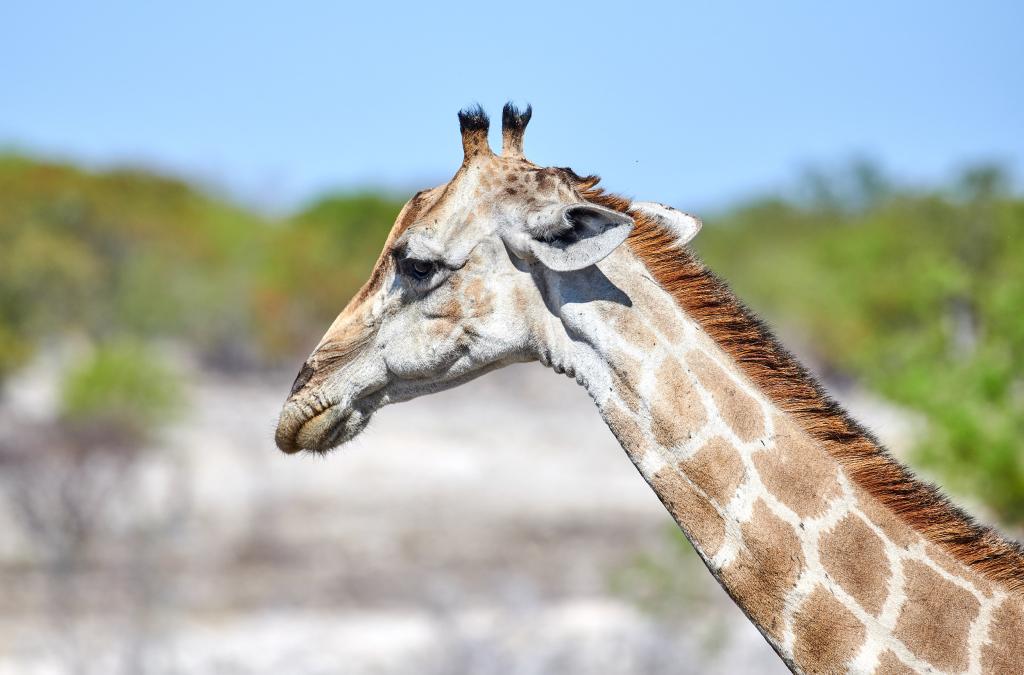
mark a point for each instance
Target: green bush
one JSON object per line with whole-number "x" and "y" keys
{"x": 122, "y": 384}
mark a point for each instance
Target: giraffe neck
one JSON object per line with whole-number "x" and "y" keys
{"x": 829, "y": 575}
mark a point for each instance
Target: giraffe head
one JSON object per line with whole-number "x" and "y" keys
{"x": 462, "y": 287}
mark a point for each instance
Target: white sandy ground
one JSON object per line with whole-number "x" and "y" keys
{"x": 476, "y": 531}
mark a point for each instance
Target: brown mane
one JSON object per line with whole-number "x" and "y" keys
{"x": 751, "y": 344}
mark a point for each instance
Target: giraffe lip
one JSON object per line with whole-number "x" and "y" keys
{"x": 317, "y": 434}
{"x": 319, "y": 423}
{"x": 323, "y": 431}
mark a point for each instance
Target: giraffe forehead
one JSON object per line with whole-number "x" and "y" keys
{"x": 447, "y": 223}
{"x": 451, "y": 243}
{"x": 449, "y": 229}
{"x": 511, "y": 180}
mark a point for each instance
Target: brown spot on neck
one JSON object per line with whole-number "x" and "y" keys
{"x": 936, "y": 618}
{"x": 695, "y": 514}
{"x": 894, "y": 529}
{"x": 626, "y": 430}
{"x": 676, "y": 411}
{"x": 738, "y": 409}
{"x": 958, "y": 569}
{"x": 627, "y": 373}
{"x": 827, "y": 634}
{"x": 797, "y": 471}
{"x": 890, "y": 664}
{"x": 855, "y": 557}
{"x": 1005, "y": 651}
{"x": 716, "y": 469}
{"x": 765, "y": 569}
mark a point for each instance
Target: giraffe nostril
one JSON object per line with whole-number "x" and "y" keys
{"x": 301, "y": 379}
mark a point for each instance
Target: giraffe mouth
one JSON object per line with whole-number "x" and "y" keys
{"x": 323, "y": 431}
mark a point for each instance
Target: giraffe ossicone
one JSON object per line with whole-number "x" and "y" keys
{"x": 843, "y": 561}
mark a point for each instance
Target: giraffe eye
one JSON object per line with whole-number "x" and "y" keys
{"x": 420, "y": 270}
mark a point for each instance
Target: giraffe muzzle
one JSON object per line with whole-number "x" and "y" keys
{"x": 298, "y": 430}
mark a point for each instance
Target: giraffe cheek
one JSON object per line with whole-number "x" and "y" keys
{"x": 478, "y": 301}
{"x": 426, "y": 353}
{"x": 439, "y": 332}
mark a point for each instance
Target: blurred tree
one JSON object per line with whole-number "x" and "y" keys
{"x": 121, "y": 252}
{"x": 124, "y": 386}
{"x": 85, "y": 484}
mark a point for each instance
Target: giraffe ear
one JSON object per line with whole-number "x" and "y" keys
{"x": 683, "y": 225}
{"x": 582, "y": 235}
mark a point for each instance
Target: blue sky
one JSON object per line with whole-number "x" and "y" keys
{"x": 694, "y": 104}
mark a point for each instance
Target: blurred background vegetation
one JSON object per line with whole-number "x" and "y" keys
{"x": 137, "y": 291}
{"x": 914, "y": 292}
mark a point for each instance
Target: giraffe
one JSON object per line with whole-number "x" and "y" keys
{"x": 841, "y": 559}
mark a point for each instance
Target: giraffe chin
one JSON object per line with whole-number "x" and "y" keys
{"x": 324, "y": 431}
